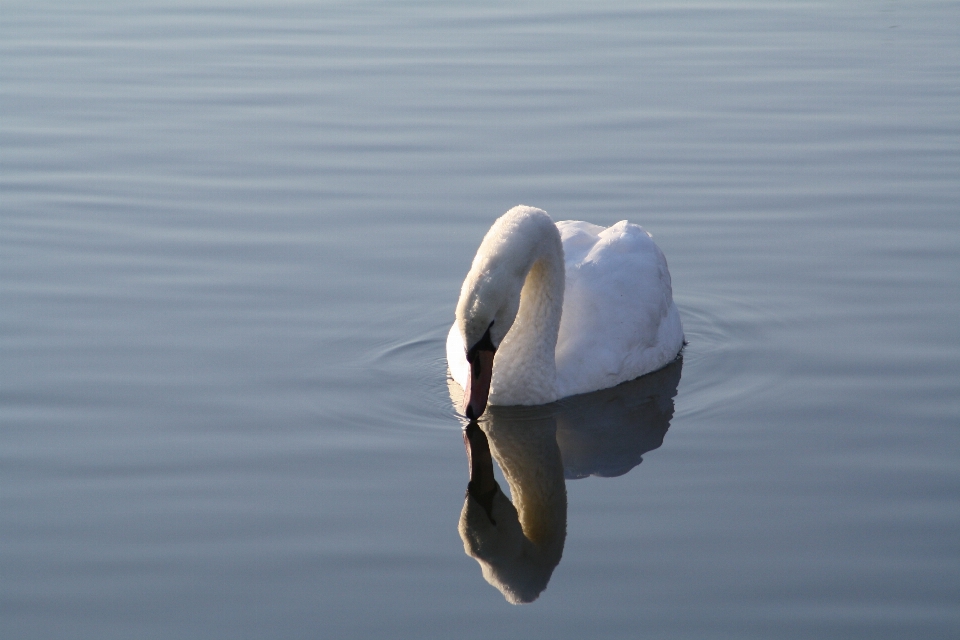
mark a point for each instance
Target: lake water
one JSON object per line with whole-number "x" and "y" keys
{"x": 233, "y": 235}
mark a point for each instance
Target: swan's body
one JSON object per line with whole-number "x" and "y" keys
{"x": 567, "y": 308}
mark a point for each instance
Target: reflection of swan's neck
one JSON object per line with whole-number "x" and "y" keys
{"x": 531, "y": 463}
{"x": 518, "y": 545}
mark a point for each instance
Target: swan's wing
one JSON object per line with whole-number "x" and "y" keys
{"x": 619, "y": 320}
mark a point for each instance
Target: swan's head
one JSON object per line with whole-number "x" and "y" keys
{"x": 486, "y": 311}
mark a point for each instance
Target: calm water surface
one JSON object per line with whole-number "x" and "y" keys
{"x": 232, "y": 236}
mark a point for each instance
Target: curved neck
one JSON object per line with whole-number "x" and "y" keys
{"x": 525, "y": 369}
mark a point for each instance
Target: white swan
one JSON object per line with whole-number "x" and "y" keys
{"x": 566, "y": 308}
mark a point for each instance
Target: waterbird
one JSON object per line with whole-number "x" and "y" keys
{"x": 553, "y": 310}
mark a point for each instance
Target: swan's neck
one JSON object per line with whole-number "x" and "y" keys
{"x": 525, "y": 368}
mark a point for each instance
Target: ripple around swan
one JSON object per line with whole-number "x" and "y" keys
{"x": 727, "y": 360}
{"x": 727, "y": 357}
{"x": 411, "y": 375}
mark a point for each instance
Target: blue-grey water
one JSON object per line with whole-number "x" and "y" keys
{"x": 232, "y": 235}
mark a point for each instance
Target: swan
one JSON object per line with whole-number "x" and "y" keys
{"x": 553, "y": 310}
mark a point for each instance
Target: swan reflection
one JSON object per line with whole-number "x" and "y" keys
{"x": 519, "y": 541}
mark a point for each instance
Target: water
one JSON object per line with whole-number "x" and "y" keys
{"x": 232, "y": 237}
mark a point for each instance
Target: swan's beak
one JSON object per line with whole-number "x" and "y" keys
{"x": 478, "y": 384}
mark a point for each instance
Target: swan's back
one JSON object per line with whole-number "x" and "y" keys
{"x": 619, "y": 320}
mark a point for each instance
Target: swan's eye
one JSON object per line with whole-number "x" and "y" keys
{"x": 483, "y": 344}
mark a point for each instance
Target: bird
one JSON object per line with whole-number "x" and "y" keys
{"x": 550, "y": 310}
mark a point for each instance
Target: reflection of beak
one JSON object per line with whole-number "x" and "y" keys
{"x": 483, "y": 485}
{"x": 478, "y": 383}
